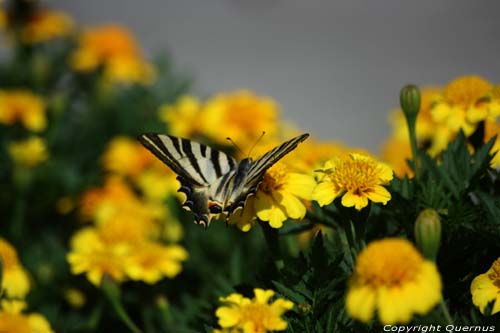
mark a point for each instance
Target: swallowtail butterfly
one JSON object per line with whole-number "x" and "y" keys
{"x": 213, "y": 181}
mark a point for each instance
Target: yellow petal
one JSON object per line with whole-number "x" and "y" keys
{"x": 269, "y": 211}
{"x": 378, "y": 194}
{"x": 350, "y": 199}
{"x": 294, "y": 207}
{"x": 360, "y": 303}
{"x": 324, "y": 193}
{"x": 300, "y": 185}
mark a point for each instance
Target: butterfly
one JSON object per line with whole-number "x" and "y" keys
{"x": 214, "y": 182}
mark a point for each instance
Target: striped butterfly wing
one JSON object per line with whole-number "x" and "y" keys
{"x": 197, "y": 167}
{"x": 253, "y": 176}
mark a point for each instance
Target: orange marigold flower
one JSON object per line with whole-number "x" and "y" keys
{"x": 114, "y": 48}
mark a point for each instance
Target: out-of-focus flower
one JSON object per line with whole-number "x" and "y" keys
{"x": 90, "y": 255}
{"x": 126, "y": 156}
{"x": 464, "y": 102}
{"x": 485, "y": 288}
{"x": 392, "y": 279}
{"x": 75, "y": 297}
{"x": 114, "y": 198}
{"x": 45, "y": 25}
{"x": 122, "y": 252}
{"x": 183, "y": 118}
{"x": 22, "y": 106}
{"x": 157, "y": 183}
{"x": 151, "y": 261}
{"x": 243, "y": 115}
{"x": 277, "y": 199}
{"x": 113, "y": 48}
{"x": 257, "y": 315}
{"x": 125, "y": 241}
{"x": 356, "y": 178}
{"x": 15, "y": 280}
{"x": 28, "y": 153}
{"x": 12, "y": 320}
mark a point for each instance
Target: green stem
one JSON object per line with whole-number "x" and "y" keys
{"x": 112, "y": 292}
{"x": 347, "y": 247}
{"x": 411, "y": 121}
{"x": 122, "y": 314}
{"x": 446, "y": 313}
{"x": 272, "y": 239}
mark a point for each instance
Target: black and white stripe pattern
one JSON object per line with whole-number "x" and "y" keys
{"x": 193, "y": 161}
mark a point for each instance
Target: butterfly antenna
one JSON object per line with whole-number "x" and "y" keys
{"x": 235, "y": 145}
{"x": 256, "y": 142}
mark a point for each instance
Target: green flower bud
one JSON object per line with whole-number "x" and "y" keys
{"x": 304, "y": 308}
{"x": 428, "y": 233}
{"x": 410, "y": 100}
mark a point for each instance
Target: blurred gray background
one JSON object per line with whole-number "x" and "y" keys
{"x": 335, "y": 67}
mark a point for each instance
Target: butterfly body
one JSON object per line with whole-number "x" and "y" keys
{"x": 214, "y": 183}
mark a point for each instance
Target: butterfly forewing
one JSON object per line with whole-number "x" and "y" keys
{"x": 193, "y": 161}
{"x": 256, "y": 169}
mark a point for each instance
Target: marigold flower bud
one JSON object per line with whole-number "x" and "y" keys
{"x": 410, "y": 100}
{"x": 428, "y": 233}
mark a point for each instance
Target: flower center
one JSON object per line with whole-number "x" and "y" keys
{"x": 494, "y": 275}
{"x": 466, "y": 90}
{"x": 356, "y": 175}
{"x": 255, "y": 314}
{"x": 274, "y": 179}
{"x": 388, "y": 263}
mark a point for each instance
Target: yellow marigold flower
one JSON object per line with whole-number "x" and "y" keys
{"x": 183, "y": 118}
{"x": 257, "y": 315}
{"x": 277, "y": 199}
{"x": 122, "y": 254}
{"x": 90, "y": 255}
{"x": 28, "y": 153}
{"x": 393, "y": 279}
{"x": 15, "y": 281}
{"x": 357, "y": 179}
{"x": 150, "y": 262}
{"x": 22, "y": 106}
{"x": 113, "y": 47}
{"x": 129, "y": 69}
{"x": 462, "y": 104}
{"x": 242, "y": 114}
{"x": 126, "y": 156}
{"x": 486, "y": 288}
{"x": 45, "y": 25}
{"x": 12, "y": 320}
